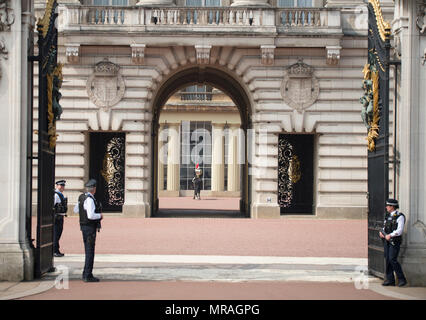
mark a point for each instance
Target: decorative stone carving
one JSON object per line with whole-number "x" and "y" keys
{"x": 421, "y": 17}
{"x": 333, "y": 55}
{"x": 267, "y": 54}
{"x": 397, "y": 50}
{"x": 105, "y": 86}
{"x": 73, "y": 53}
{"x": 300, "y": 88}
{"x": 3, "y": 51}
{"x": 203, "y": 53}
{"x": 6, "y": 15}
{"x": 138, "y": 53}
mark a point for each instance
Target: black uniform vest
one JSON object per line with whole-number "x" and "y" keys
{"x": 391, "y": 224}
{"x": 63, "y": 206}
{"x": 84, "y": 220}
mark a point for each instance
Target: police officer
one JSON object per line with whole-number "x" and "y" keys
{"x": 392, "y": 239}
{"x": 90, "y": 212}
{"x": 60, "y": 210}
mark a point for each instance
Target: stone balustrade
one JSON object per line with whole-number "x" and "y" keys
{"x": 220, "y": 17}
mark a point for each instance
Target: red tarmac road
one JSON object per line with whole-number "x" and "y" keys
{"x": 217, "y": 236}
{"x": 191, "y": 290}
{"x": 207, "y": 236}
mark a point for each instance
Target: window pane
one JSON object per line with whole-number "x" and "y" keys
{"x": 100, "y": 2}
{"x": 304, "y": 3}
{"x": 212, "y": 3}
{"x": 193, "y": 3}
{"x": 286, "y": 3}
{"x": 119, "y": 2}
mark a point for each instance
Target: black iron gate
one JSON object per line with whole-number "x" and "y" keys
{"x": 375, "y": 114}
{"x": 107, "y": 164}
{"x": 49, "y": 110}
{"x": 295, "y": 173}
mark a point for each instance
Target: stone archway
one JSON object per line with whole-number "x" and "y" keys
{"x": 224, "y": 82}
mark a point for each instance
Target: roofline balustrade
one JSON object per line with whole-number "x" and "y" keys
{"x": 199, "y": 19}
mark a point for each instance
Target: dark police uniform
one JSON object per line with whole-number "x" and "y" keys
{"x": 394, "y": 226}
{"x": 60, "y": 210}
{"x": 90, "y": 215}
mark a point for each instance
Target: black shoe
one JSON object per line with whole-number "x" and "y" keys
{"x": 91, "y": 279}
{"x": 402, "y": 283}
{"x": 58, "y": 254}
{"x": 388, "y": 283}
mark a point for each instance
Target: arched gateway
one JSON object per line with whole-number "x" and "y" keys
{"x": 227, "y": 83}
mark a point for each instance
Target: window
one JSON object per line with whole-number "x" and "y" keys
{"x": 294, "y": 3}
{"x": 197, "y": 92}
{"x": 291, "y": 17}
{"x": 213, "y": 15}
{"x": 109, "y": 2}
{"x": 203, "y": 3}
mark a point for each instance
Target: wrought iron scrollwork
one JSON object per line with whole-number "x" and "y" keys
{"x": 289, "y": 172}
{"x": 113, "y": 171}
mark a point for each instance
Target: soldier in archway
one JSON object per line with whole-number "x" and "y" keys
{"x": 197, "y": 182}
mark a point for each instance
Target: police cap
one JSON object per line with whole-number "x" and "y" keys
{"x": 60, "y": 182}
{"x": 91, "y": 183}
{"x": 392, "y": 202}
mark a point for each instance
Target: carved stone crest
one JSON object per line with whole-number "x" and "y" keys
{"x": 421, "y": 17}
{"x": 300, "y": 88}
{"x": 105, "y": 86}
{"x": 6, "y": 15}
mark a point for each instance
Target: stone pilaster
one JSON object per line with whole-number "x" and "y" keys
{"x": 16, "y": 256}
{"x": 233, "y": 165}
{"x": 411, "y": 140}
{"x": 173, "y": 160}
{"x": 161, "y": 157}
{"x": 264, "y": 174}
{"x": 218, "y": 152}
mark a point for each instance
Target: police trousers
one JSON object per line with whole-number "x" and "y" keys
{"x": 392, "y": 264}
{"x": 89, "y": 239}
{"x": 58, "y": 226}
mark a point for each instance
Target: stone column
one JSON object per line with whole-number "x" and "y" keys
{"x": 218, "y": 153}
{"x": 250, "y": 3}
{"x": 411, "y": 141}
{"x": 264, "y": 170}
{"x": 233, "y": 165}
{"x": 161, "y": 158}
{"x": 173, "y": 160}
{"x": 16, "y": 256}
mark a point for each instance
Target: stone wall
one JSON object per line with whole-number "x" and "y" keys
{"x": 334, "y": 57}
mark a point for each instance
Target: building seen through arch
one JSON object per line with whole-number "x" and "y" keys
{"x": 195, "y": 113}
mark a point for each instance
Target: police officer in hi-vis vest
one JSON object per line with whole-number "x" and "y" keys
{"x": 90, "y": 212}
{"x": 60, "y": 207}
{"x": 392, "y": 239}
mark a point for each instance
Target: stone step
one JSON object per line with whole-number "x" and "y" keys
{"x": 214, "y": 268}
